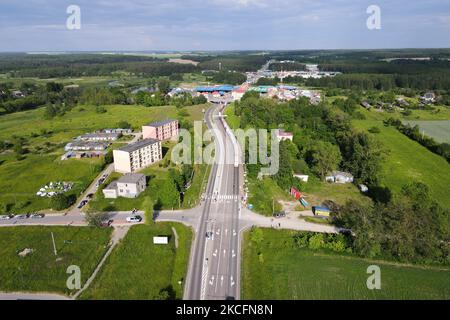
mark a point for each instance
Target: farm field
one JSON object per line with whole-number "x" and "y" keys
{"x": 438, "y": 130}
{"x": 407, "y": 161}
{"x": 21, "y": 179}
{"x": 275, "y": 269}
{"x": 41, "y": 270}
{"x": 138, "y": 269}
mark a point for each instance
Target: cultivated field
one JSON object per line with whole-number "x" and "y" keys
{"x": 277, "y": 270}
{"x": 407, "y": 161}
{"x": 42, "y": 270}
{"x": 438, "y": 130}
{"x": 138, "y": 269}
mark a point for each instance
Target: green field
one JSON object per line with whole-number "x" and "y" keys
{"x": 407, "y": 161}
{"x": 42, "y": 270}
{"x": 45, "y": 141}
{"x": 232, "y": 120}
{"x": 138, "y": 269}
{"x": 438, "y": 130}
{"x": 275, "y": 269}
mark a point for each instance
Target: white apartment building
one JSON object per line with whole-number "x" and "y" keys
{"x": 137, "y": 156}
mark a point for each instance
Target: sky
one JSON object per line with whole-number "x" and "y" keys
{"x": 191, "y": 25}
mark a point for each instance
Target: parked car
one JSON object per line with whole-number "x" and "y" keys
{"x": 82, "y": 204}
{"x": 37, "y": 216}
{"x": 281, "y": 214}
{"x": 90, "y": 196}
{"x": 5, "y": 217}
{"x": 21, "y": 216}
{"x": 134, "y": 219}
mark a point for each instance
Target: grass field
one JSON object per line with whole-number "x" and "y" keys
{"x": 138, "y": 269}
{"x": 276, "y": 270}
{"x": 232, "y": 120}
{"x": 407, "y": 161}
{"x": 22, "y": 179}
{"x": 440, "y": 113}
{"x": 438, "y": 130}
{"x": 41, "y": 270}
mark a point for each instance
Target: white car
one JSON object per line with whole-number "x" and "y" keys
{"x": 5, "y": 217}
{"x": 134, "y": 219}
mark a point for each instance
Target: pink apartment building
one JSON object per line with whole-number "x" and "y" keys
{"x": 161, "y": 130}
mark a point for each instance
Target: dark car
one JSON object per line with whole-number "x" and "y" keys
{"x": 279, "y": 214}
{"x": 90, "y": 196}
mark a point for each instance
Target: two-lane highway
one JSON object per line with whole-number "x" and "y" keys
{"x": 214, "y": 268}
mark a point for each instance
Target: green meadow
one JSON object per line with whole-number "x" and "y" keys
{"x": 275, "y": 269}
{"x": 41, "y": 270}
{"x": 407, "y": 161}
{"x": 139, "y": 269}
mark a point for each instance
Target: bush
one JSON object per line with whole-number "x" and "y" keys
{"x": 61, "y": 201}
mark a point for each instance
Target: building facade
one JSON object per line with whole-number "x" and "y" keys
{"x": 129, "y": 186}
{"x": 161, "y": 130}
{"x": 137, "y": 156}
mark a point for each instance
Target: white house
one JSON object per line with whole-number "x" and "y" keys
{"x": 339, "y": 177}
{"x": 283, "y": 135}
{"x": 128, "y": 186}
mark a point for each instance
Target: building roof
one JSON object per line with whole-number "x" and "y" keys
{"x": 138, "y": 145}
{"x": 282, "y": 133}
{"x": 131, "y": 178}
{"x": 160, "y": 123}
{"x": 111, "y": 186}
{"x": 100, "y": 135}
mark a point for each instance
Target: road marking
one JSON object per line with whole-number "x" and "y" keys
{"x": 211, "y": 282}
{"x": 232, "y": 282}
{"x": 221, "y": 281}
{"x": 226, "y": 231}
{"x": 224, "y": 252}
{"x": 215, "y": 253}
{"x": 234, "y": 233}
{"x": 233, "y": 254}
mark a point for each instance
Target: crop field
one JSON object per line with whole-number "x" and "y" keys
{"x": 41, "y": 270}
{"x": 138, "y": 269}
{"x": 438, "y": 130}
{"x": 407, "y": 161}
{"x": 21, "y": 179}
{"x": 275, "y": 269}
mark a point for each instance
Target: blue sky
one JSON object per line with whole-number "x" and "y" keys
{"x": 132, "y": 25}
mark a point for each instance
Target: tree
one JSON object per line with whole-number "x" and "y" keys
{"x": 325, "y": 157}
{"x": 123, "y": 125}
{"x": 61, "y": 201}
{"x": 95, "y": 219}
{"x": 164, "y": 86}
{"x": 109, "y": 158}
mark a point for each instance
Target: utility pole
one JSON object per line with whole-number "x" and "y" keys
{"x": 54, "y": 245}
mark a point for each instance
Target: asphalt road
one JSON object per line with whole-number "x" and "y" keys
{"x": 214, "y": 269}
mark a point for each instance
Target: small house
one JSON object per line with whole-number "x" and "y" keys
{"x": 128, "y": 186}
{"x": 339, "y": 177}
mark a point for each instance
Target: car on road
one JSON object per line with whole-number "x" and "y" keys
{"x": 37, "y": 216}
{"x": 21, "y": 216}
{"x": 281, "y": 214}
{"x": 209, "y": 234}
{"x": 6, "y": 217}
{"x": 134, "y": 219}
{"x": 82, "y": 204}
{"x": 90, "y": 196}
